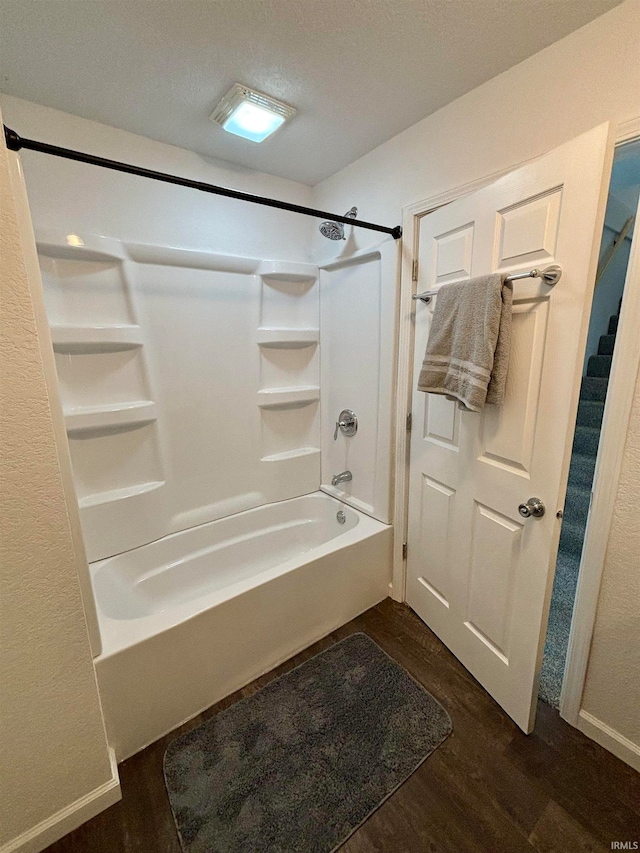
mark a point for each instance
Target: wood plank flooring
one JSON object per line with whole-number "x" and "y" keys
{"x": 487, "y": 789}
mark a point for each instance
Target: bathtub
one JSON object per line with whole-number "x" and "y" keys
{"x": 192, "y": 617}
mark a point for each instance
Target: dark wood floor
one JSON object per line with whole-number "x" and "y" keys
{"x": 487, "y": 789}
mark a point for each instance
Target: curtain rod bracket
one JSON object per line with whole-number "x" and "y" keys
{"x": 13, "y": 141}
{"x": 16, "y": 143}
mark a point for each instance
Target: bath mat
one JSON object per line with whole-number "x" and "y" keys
{"x": 298, "y": 767}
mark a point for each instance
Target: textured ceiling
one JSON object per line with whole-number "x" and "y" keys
{"x": 358, "y": 71}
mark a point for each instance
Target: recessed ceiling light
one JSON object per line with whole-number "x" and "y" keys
{"x": 250, "y": 114}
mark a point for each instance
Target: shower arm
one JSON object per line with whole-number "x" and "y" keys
{"x": 16, "y": 143}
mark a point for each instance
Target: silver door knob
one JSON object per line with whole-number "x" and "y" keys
{"x": 533, "y": 507}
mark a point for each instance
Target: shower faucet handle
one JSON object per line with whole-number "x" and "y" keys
{"x": 347, "y": 423}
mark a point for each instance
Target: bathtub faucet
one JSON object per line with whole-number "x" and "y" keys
{"x": 343, "y": 477}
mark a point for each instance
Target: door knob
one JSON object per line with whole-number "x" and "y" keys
{"x": 533, "y": 507}
{"x": 347, "y": 423}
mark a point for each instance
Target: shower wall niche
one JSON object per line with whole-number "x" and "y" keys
{"x": 109, "y": 408}
{"x": 289, "y": 394}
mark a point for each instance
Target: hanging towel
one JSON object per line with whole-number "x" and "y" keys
{"x": 467, "y": 354}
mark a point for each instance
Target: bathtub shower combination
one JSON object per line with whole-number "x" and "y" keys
{"x": 196, "y": 615}
{"x": 229, "y": 430}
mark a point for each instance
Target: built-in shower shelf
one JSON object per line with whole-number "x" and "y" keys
{"x": 292, "y": 454}
{"x": 288, "y": 398}
{"x": 287, "y": 271}
{"x": 119, "y": 416}
{"x": 95, "y": 339}
{"x": 100, "y": 498}
{"x": 287, "y": 338}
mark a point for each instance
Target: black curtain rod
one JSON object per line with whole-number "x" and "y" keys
{"x": 16, "y": 142}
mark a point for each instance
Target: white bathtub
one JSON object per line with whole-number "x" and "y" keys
{"x": 194, "y": 616}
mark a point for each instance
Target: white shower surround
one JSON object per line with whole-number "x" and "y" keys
{"x": 189, "y": 382}
{"x": 196, "y": 381}
{"x": 358, "y": 361}
{"x": 194, "y": 616}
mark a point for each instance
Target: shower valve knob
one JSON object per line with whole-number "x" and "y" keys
{"x": 347, "y": 423}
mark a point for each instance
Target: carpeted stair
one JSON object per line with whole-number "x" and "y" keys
{"x": 583, "y": 460}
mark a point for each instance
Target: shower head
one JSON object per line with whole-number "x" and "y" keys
{"x": 335, "y": 230}
{"x": 332, "y": 230}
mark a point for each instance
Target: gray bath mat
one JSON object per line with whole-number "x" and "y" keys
{"x": 297, "y": 767}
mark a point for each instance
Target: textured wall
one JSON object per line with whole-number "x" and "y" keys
{"x": 52, "y": 743}
{"x": 612, "y": 690}
{"x": 589, "y": 77}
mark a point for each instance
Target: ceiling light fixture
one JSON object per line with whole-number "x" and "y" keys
{"x": 250, "y": 114}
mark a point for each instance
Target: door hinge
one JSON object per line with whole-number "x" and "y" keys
{"x": 409, "y": 422}
{"x": 414, "y": 270}
{"x": 404, "y": 550}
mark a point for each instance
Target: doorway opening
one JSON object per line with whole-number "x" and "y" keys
{"x": 622, "y": 203}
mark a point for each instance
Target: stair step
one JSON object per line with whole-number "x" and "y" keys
{"x": 586, "y": 440}
{"x": 599, "y": 365}
{"x": 613, "y": 325}
{"x": 590, "y": 413}
{"x": 571, "y": 539}
{"x": 594, "y": 388}
{"x": 606, "y": 344}
{"x": 582, "y": 470}
{"x": 564, "y": 585}
{"x": 576, "y": 505}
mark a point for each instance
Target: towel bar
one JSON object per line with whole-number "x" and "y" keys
{"x": 550, "y": 276}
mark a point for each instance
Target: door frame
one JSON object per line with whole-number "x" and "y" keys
{"x": 624, "y": 372}
{"x": 615, "y": 424}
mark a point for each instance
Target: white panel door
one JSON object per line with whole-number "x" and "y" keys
{"x": 478, "y": 573}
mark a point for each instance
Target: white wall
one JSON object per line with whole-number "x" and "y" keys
{"x": 581, "y": 81}
{"x": 612, "y": 690}
{"x": 53, "y": 750}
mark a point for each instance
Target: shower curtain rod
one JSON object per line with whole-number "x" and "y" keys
{"x": 16, "y": 142}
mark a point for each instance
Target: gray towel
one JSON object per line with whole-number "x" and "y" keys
{"x": 467, "y": 355}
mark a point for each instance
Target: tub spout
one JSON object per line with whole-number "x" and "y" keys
{"x": 343, "y": 477}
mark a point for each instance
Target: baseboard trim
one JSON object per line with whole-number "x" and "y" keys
{"x": 72, "y": 816}
{"x": 610, "y": 739}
